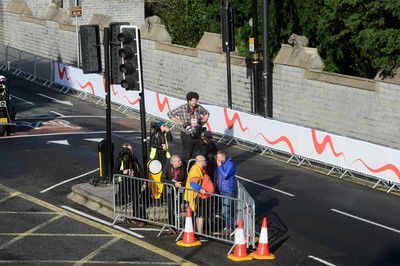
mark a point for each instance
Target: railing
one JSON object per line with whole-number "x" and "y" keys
{"x": 162, "y": 204}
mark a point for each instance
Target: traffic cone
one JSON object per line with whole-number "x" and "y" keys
{"x": 262, "y": 252}
{"x": 240, "y": 252}
{"x": 189, "y": 239}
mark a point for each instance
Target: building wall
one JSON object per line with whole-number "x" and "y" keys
{"x": 303, "y": 93}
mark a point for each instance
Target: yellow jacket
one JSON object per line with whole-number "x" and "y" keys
{"x": 195, "y": 175}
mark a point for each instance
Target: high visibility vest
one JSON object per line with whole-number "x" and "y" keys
{"x": 154, "y": 150}
{"x": 3, "y": 89}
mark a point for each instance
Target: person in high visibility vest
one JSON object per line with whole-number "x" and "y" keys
{"x": 129, "y": 189}
{"x": 159, "y": 139}
{"x": 3, "y": 87}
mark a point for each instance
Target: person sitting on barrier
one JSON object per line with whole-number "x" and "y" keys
{"x": 129, "y": 190}
{"x": 173, "y": 173}
{"x": 200, "y": 181}
{"x": 227, "y": 187}
{"x": 159, "y": 138}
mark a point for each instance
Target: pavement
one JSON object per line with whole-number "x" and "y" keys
{"x": 97, "y": 198}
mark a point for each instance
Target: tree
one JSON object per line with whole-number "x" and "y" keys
{"x": 354, "y": 37}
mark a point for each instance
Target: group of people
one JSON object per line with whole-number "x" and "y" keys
{"x": 211, "y": 172}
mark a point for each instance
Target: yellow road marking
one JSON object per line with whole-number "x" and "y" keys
{"x": 115, "y": 233}
{"x": 29, "y": 232}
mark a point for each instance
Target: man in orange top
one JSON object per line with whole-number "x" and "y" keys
{"x": 199, "y": 181}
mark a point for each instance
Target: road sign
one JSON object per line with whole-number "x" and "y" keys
{"x": 76, "y": 11}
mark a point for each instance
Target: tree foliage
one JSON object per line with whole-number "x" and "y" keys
{"x": 354, "y": 37}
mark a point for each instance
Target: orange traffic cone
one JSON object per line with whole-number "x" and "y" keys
{"x": 189, "y": 239}
{"x": 240, "y": 252}
{"x": 262, "y": 252}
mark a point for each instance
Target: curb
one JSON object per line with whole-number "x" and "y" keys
{"x": 83, "y": 197}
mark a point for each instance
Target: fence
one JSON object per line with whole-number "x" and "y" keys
{"x": 28, "y": 65}
{"x": 162, "y": 204}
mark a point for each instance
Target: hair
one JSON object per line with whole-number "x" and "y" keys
{"x": 174, "y": 158}
{"x": 200, "y": 158}
{"x": 223, "y": 153}
{"x": 191, "y": 94}
{"x": 127, "y": 145}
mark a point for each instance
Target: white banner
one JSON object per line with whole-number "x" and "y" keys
{"x": 341, "y": 152}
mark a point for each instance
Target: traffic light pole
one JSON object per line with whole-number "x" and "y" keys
{"x": 108, "y": 102}
{"x": 142, "y": 108}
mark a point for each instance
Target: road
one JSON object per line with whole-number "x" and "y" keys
{"x": 313, "y": 219}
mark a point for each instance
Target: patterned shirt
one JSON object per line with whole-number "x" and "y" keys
{"x": 187, "y": 114}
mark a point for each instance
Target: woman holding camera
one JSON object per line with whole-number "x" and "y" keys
{"x": 159, "y": 139}
{"x": 129, "y": 188}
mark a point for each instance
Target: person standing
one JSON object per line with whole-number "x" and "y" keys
{"x": 159, "y": 139}
{"x": 129, "y": 190}
{"x": 173, "y": 173}
{"x": 199, "y": 181}
{"x": 209, "y": 150}
{"x": 226, "y": 184}
{"x": 191, "y": 117}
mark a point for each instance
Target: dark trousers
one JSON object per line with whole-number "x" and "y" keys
{"x": 191, "y": 146}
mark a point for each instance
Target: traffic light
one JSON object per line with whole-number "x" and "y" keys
{"x": 90, "y": 48}
{"x": 115, "y": 59}
{"x": 130, "y": 54}
{"x": 227, "y": 28}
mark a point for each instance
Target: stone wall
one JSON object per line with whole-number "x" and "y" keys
{"x": 42, "y": 28}
{"x": 359, "y": 108}
{"x": 303, "y": 93}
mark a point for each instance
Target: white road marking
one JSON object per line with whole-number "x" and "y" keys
{"x": 367, "y": 221}
{"x": 68, "y": 180}
{"x": 62, "y": 142}
{"x": 67, "y": 133}
{"x": 261, "y": 185}
{"x": 321, "y": 260}
{"x": 31, "y": 103}
{"x": 55, "y": 100}
{"x": 54, "y": 112}
{"x": 102, "y": 221}
{"x": 95, "y": 139}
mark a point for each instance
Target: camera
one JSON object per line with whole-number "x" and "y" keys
{"x": 125, "y": 151}
{"x": 155, "y": 126}
{"x": 188, "y": 129}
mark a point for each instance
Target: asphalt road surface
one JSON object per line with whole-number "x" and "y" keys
{"x": 313, "y": 219}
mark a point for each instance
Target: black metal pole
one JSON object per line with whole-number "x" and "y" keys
{"x": 228, "y": 56}
{"x": 256, "y": 61}
{"x": 142, "y": 110}
{"x": 108, "y": 102}
{"x": 266, "y": 74}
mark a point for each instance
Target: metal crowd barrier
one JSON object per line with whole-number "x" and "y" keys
{"x": 163, "y": 205}
{"x": 28, "y": 65}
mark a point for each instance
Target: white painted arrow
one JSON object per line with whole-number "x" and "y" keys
{"x": 62, "y": 142}
{"x": 95, "y": 140}
{"x": 55, "y": 100}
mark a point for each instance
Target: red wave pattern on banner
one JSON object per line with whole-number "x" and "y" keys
{"x": 231, "y": 122}
{"x": 320, "y": 147}
{"x": 132, "y": 102}
{"x": 386, "y": 167}
{"x": 280, "y": 139}
{"x": 88, "y": 84}
{"x": 161, "y": 104}
{"x": 62, "y": 72}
